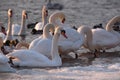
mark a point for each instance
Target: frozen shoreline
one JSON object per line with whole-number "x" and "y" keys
{"x": 78, "y": 12}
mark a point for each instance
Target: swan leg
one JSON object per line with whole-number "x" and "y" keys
{"x": 10, "y": 61}
{"x": 76, "y": 56}
{"x": 95, "y": 53}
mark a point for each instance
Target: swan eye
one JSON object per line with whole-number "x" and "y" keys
{"x": 10, "y": 12}
{"x": 63, "y": 31}
{"x": 26, "y": 15}
{"x": 63, "y": 20}
{"x": 46, "y": 12}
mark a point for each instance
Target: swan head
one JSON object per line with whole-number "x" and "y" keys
{"x": 24, "y": 14}
{"x": 57, "y": 15}
{"x": 61, "y": 31}
{"x": 10, "y": 12}
{"x": 61, "y": 16}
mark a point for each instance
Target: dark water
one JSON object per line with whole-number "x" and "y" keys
{"x": 78, "y": 12}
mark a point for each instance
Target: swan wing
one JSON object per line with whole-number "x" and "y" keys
{"x": 34, "y": 42}
{"x": 44, "y": 47}
{"x": 29, "y": 58}
{"x": 103, "y": 38}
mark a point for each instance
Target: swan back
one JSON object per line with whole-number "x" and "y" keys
{"x": 110, "y": 24}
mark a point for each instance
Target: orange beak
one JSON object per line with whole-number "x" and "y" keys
{"x": 63, "y": 33}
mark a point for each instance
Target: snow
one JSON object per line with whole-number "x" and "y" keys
{"x": 78, "y": 12}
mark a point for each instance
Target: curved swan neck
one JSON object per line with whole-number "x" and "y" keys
{"x": 54, "y": 49}
{"x": 46, "y": 33}
{"x": 109, "y": 26}
{"x": 87, "y": 31}
{"x": 55, "y": 16}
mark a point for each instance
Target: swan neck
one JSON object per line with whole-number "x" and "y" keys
{"x": 54, "y": 49}
{"x": 22, "y": 30}
{"x": 109, "y": 26}
{"x": 89, "y": 38}
{"x": 9, "y": 34}
{"x": 44, "y": 20}
{"x": 46, "y": 33}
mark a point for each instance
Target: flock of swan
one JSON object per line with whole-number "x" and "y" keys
{"x": 57, "y": 39}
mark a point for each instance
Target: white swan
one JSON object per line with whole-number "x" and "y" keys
{"x": 44, "y": 41}
{"x": 9, "y": 32}
{"x": 46, "y": 34}
{"x": 109, "y": 26}
{"x": 20, "y": 29}
{"x": 106, "y": 39}
{"x": 40, "y": 25}
{"x": 87, "y": 36}
{"x": 4, "y": 65}
{"x": 32, "y": 58}
{"x": 74, "y": 40}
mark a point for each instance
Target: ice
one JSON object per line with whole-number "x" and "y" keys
{"x": 78, "y": 12}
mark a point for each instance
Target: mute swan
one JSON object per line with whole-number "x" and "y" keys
{"x": 46, "y": 34}
{"x": 30, "y": 58}
{"x": 45, "y": 42}
{"x": 40, "y": 25}
{"x": 86, "y": 33}
{"x": 9, "y": 32}
{"x": 105, "y": 39}
{"x": 74, "y": 40}
{"x": 9, "y": 36}
{"x": 17, "y": 29}
{"x": 109, "y": 26}
{"x": 4, "y": 65}
{"x": 22, "y": 31}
